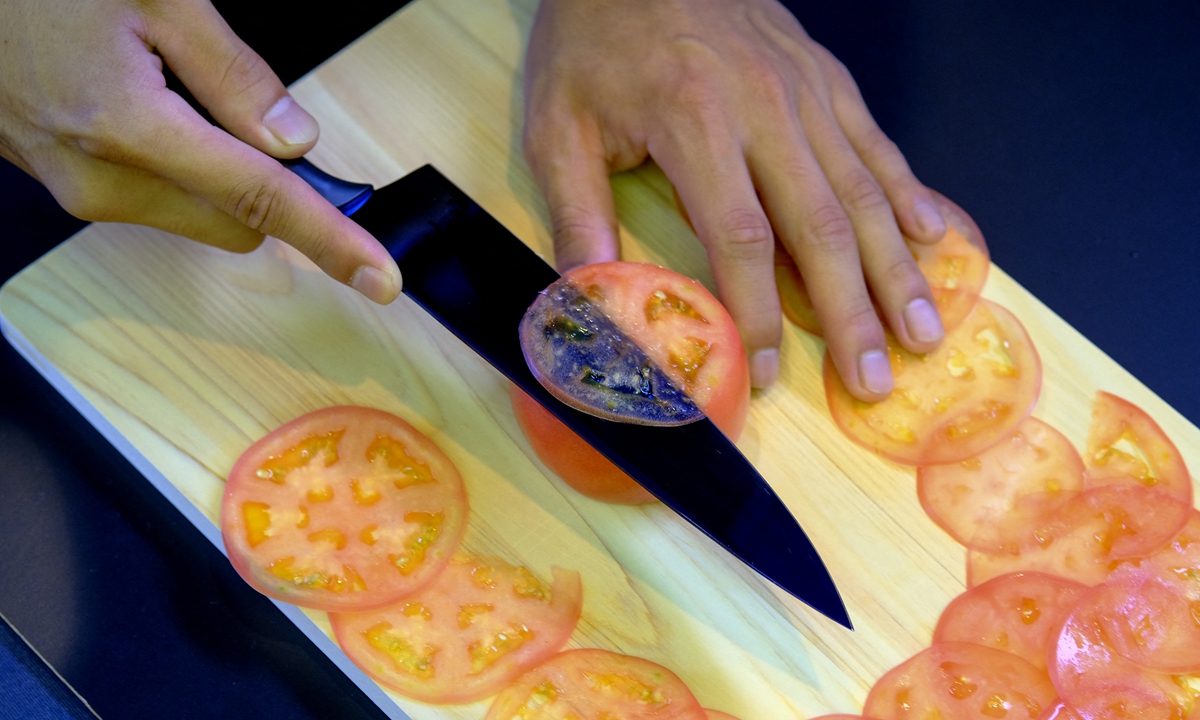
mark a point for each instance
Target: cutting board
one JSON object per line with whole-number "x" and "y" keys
{"x": 183, "y": 355}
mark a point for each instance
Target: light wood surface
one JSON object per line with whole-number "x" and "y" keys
{"x": 193, "y": 353}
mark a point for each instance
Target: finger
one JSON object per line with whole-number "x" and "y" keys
{"x": 706, "y": 165}
{"x": 260, "y": 193}
{"x": 100, "y": 191}
{"x": 815, "y": 229}
{"x": 912, "y": 203}
{"x": 567, "y": 156}
{"x": 891, "y": 271}
{"x": 232, "y": 81}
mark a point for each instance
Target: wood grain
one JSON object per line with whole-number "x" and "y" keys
{"x": 193, "y": 353}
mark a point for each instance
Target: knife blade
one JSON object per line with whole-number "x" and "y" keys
{"x": 463, "y": 267}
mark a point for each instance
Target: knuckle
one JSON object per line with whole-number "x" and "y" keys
{"x": 861, "y": 192}
{"x": 903, "y": 272}
{"x": 571, "y": 225}
{"x": 861, "y": 316}
{"x": 257, "y": 205}
{"x": 745, "y": 234}
{"x": 830, "y": 229}
{"x": 876, "y": 144}
{"x": 244, "y": 70}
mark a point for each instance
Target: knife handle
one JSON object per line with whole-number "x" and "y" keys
{"x": 347, "y": 196}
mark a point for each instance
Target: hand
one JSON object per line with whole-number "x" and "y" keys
{"x": 84, "y": 108}
{"x": 763, "y": 133}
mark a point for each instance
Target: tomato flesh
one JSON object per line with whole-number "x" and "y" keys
{"x": 1125, "y": 445}
{"x": 1015, "y": 613}
{"x": 345, "y": 508}
{"x": 684, "y": 331}
{"x": 596, "y": 685}
{"x": 951, "y": 404}
{"x": 479, "y": 625}
{"x": 955, "y": 267}
{"x": 987, "y": 502}
{"x": 957, "y": 680}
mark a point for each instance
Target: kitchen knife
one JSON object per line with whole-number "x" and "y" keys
{"x": 478, "y": 279}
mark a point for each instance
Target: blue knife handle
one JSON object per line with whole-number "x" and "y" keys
{"x": 347, "y": 196}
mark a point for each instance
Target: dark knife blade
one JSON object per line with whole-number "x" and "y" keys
{"x": 478, "y": 279}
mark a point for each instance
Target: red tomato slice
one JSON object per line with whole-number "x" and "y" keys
{"x": 345, "y": 508}
{"x": 1089, "y": 536}
{"x": 953, "y": 403}
{"x": 1126, "y": 445}
{"x": 1015, "y": 613}
{"x": 717, "y": 715}
{"x": 988, "y": 502}
{"x": 479, "y": 625}
{"x": 685, "y": 331}
{"x": 1180, "y": 558}
{"x": 1060, "y": 711}
{"x": 597, "y": 685}
{"x": 1098, "y": 683}
{"x": 1148, "y": 618}
{"x": 960, "y": 681}
{"x": 956, "y": 268}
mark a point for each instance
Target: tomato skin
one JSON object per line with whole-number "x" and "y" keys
{"x": 957, "y": 681}
{"x": 951, "y": 404}
{"x": 1125, "y": 445}
{"x": 987, "y": 502}
{"x": 596, "y": 685}
{"x": 314, "y": 524}
{"x": 721, "y": 389}
{"x": 1015, "y": 613}
{"x": 486, "y": 590}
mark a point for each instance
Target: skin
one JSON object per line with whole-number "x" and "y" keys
{"x": 763, "y": 134}
{"x": 760, "y": 129}
{"x": 84, "y": 108}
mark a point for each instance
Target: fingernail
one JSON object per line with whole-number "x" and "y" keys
{"x": 923, "y": 322}
{"x": 875, "y": 371}
{"x": 290, "y": 123}
{"x": 764, "y": 367}
{"x": 929, "y": 220}
{"x": 380, "y": 286}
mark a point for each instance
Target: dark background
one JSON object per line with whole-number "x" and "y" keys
{"x": 1067, "y": 129}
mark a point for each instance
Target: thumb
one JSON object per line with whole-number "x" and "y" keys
{"x": 232, "y": 81}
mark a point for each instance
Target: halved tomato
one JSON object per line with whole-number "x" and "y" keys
{"x": 345, "y": 508}
{"x": 988, "y": 502}
{"x": 951, "y": 404}
{"x": 1089, "y": 536}
{"x": 479, "y": 625}
{"x": 1015, "y": 613}
{"x": 1126, "y": 445}
{"x": 594, "y": 685}
{"x": 1098, "y": 683}
{"x": 960, "y": 681}
{"x": 684, "y": 331}
{"x": 956, "y": 268}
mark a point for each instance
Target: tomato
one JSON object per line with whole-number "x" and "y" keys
{"x": 683, "y": 330}
{"x": 955, "y": 267}
{"x": 951, "y": 404}
{"x": 1147, "y": 618}
{"x": 960, "y": 681}
{"x": 597, "y": 685}
{"x": 1126, "y": 445}
{"x": 345, "y": 508}
{"x": 1060, "y": 711}
{"x": 987, "y": 502}
{"x": 1014, "y": 613}
{"x": 1180, "y": 558}
{"x": 1089, "y": 536}
{"x": 1098, "y": 683}
{"x": 479, "y": 625}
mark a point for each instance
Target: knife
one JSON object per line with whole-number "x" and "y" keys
{"x": 473, "y": 275}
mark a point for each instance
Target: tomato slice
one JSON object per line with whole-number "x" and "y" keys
{"x": 1089, "y": 536}
{"x": 717, "y": 715}
{"x": 482, "y": 623}
{"x": 953, "y": 403}
{"x": 345, "y": 508}
{"x": 1060, "y": 711}
{"x": 955, "y": 267}
{"x": 957, "y": 680}
{"x": 1126, "y": 445}
{"x": 1098, "y": 683}
{"x": 684, "y": 331}
{"x": 1149, "y": 619}
{"x": 1180, "y": 558}
{"x": 1015, "y": 613}
{"x": 988, "y": 502}
{"x": 597, "y": 685}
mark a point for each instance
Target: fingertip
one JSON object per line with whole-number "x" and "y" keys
{"x": 291, "y": 125}
{"x": 928, "y": 222}
{"x": 874, "y": 374}
{"x": 379, "y": 285}
{"x": 923, "y": 322}
{"x": 764, "y": 367}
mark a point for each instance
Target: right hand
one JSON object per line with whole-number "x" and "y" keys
{"x": 84, "y": 108}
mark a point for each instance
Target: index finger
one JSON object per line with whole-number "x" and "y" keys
{"x": 263, "y": 195}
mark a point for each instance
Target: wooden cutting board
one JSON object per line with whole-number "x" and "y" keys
{"x": 183, "y": 355}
